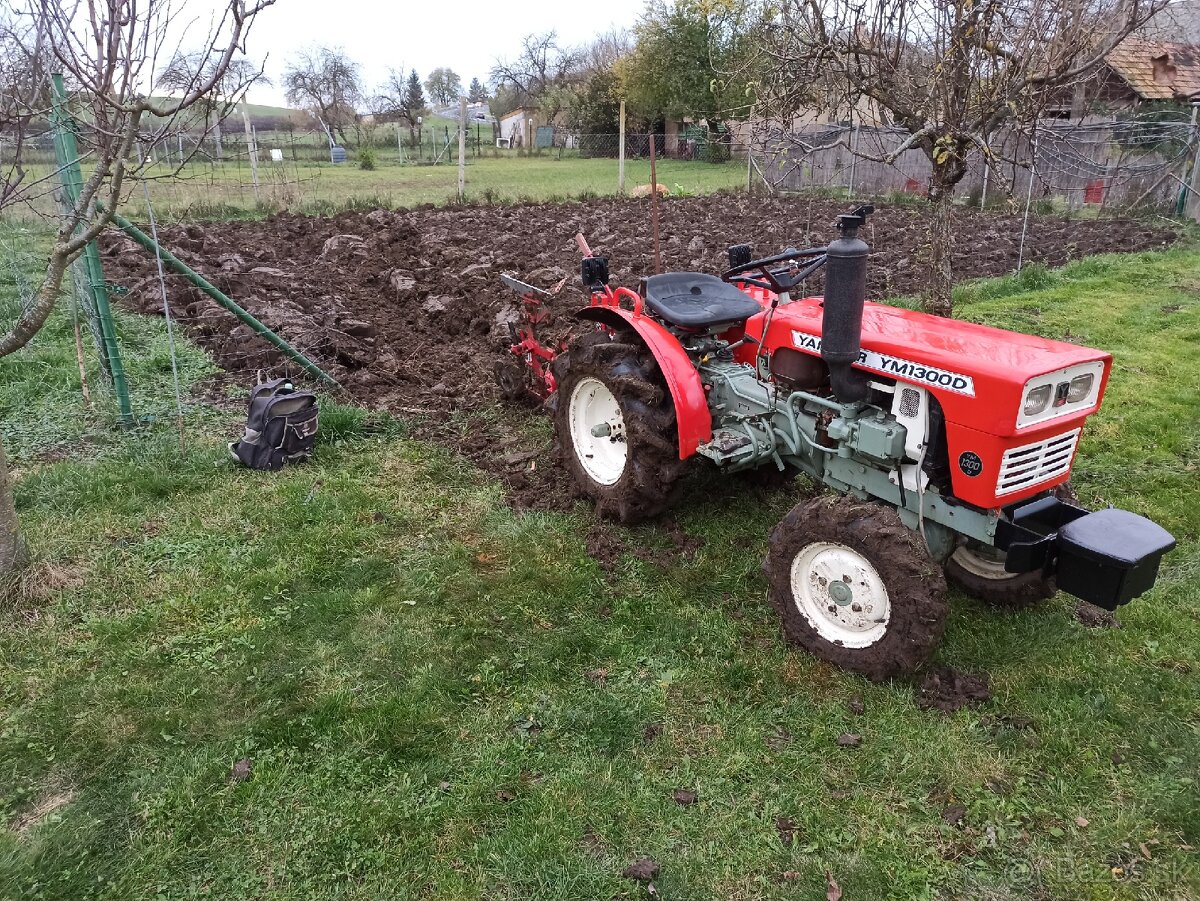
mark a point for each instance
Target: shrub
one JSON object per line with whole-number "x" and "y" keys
{"x": 367, "y": 159}
{"x": 716, "y": 152}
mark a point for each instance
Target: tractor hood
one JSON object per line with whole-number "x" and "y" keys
{"x": 978, "y": 373}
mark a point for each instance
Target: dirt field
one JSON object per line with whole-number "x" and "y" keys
{"x": 407, "y": 311}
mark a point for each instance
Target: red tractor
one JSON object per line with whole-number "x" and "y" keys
{"x": 945, "y": 443}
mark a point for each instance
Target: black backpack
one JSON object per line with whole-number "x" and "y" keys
{"x": 281, "y": 426}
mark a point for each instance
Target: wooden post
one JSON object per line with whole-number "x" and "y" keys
{"x": 1028, "y": 202}
{"x": 399, "y": 142}
{"x": 750, "y": 151}
{"x": 251, "y": 150}
{"x": 621, "y": 153}
{"x": 654, "y": 207}
{"x": 462, "y": 148}
{"x": 853, "y": 156}
{"x": 1192, "y": 204}
{"x": 987, "y": 171}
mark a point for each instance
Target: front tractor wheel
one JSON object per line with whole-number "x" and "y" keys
{"x": 855, "y": 587}
{"x": 615, "y": 422}
{"x": 979, "y": 571}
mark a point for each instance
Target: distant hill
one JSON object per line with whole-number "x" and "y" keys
{"x": 258, "y": 110}
{"x": 261, "y": 114}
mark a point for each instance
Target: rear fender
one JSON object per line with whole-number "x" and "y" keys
{"x": 691, "y": 403}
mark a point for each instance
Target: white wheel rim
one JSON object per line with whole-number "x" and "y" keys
{"x": 598, "y": 431}
{"x": 841, "y": 594}
{"x": 981, "y": 565}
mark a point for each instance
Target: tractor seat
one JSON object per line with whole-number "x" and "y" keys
{"x": 696, "y": 300}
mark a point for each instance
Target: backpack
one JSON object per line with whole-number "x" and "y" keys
{"x": 281, "y": 426}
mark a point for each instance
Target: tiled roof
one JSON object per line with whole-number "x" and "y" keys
{"x": 1158, "y": 70}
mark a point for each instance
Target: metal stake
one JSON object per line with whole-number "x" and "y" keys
{"x": 621, "y": 153}
{"x": 67, "y": 151}
{"x": 654, "y": 207}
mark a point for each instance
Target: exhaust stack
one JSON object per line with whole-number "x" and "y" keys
{"x": 845, "y": 294}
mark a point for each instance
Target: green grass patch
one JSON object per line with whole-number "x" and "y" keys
{"x": 221, "y": 191}
{"x": 41, "y": 389}
{"x": 441, "y": 698}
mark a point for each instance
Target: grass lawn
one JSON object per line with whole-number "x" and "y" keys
{"x": 224, "y": 190}
{"x": 435, "y": 697}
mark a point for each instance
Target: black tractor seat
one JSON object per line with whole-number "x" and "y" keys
{"x": 697, "y": 301}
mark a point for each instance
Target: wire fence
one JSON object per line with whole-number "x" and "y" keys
{"x": 1096, "y": 165}
{"x": 1099, "y": 164}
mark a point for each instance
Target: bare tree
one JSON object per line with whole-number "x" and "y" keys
{"x": 401, "y": 98}
{"x": 185, "y": 70}
{"x": 949, "y": 73}
{"x": 24, "y": 96}
{"x": 605, "y": 50}
{"x": 106, "y": 51}
{"x": 540, "y": 74}
{"x": 325, "y": 81}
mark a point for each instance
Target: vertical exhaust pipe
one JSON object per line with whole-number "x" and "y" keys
{"x": 845, "y": 294}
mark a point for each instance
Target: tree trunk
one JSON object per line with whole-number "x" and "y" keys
{"x": 942, "y": 180}
{"x": 12, "y": 548}
{"x": 34, "y": 316}
{"x": 941, "y": 247}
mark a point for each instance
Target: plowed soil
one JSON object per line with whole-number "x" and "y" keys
{"x": 407, "y": 311}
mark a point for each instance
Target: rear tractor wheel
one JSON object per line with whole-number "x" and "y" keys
{"x": 615, "y": 422}
{"x": 979, "y": 571}
{"x": 855, "y": 587}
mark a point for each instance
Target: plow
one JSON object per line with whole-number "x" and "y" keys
{"x": 945, "y": 446}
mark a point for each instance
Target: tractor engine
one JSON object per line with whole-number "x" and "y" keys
{"x": 757, "y": 423}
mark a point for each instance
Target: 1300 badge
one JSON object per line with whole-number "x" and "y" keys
{"x": 970, "y": 464}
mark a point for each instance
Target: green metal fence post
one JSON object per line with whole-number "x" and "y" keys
{"x": 67, "y": 151}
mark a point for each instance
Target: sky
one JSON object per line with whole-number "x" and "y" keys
{"x": 466, "y": 36}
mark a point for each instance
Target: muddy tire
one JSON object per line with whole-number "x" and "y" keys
{"x": 855, "y": 587}
{"x": 982, "y": 576}
{"x": 615, "y": 423}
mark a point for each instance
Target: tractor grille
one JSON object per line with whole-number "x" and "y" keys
{"x": 1035, "y": 463}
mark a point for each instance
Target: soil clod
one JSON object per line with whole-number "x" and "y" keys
{"x": 1094, "y": 617}
{"x": 787, "y": 829}
{"x": 684, "y": 797}
{"x": 241, "y": 770}
{"x": 643, "y": 870}
{"x": 954, "y": 814}
{"x": 948, "y": 690}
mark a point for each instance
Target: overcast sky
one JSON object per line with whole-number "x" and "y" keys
{"x": 378, "y": 34}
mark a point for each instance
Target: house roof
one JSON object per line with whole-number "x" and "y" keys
{"x": 1158, "y": 70}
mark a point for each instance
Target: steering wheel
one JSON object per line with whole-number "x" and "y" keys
{"x": 775, "y": 277}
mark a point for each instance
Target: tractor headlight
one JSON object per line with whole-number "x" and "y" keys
{"x": 1037, "y": 399}
{"x": 1067, "y": 391}
{"x": 1081, "y": 387}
